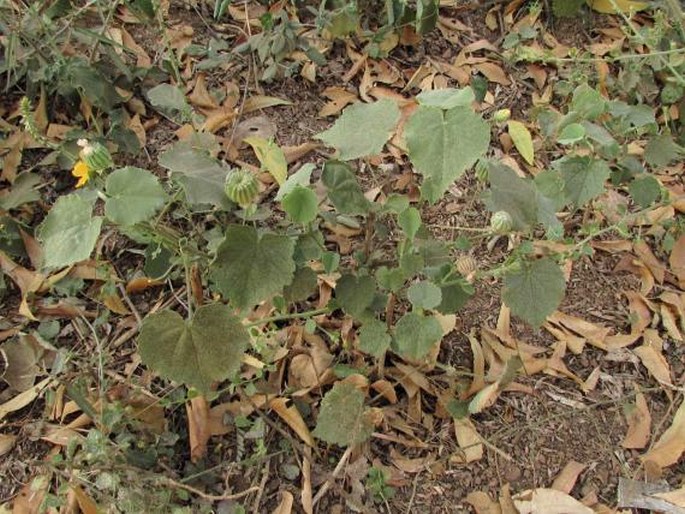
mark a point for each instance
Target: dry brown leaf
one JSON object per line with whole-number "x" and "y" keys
{"x": 613, "y": 246}
{"x": 574, "y": 343}
{"x": 200, "y": 96}
{"x": 676, "y": 302}
{"x": 640, "y": 314}
{"x": 549, "y": 501}
{"x": 26, "y": 280}
{"x": 114, "y": 303}
{"x": 671, "y": 444}
{"x": 295, "y": 153}
{"x": 595, "y": 334}
{"x": 180, "y": 37}
{"x": 307, "y": 368}
{"x": 138, "y": 129}
{"x": 217, "y": 119}
{"x": 410, "y": 376}
{"x": 286, "y": 504}
{"x": 293, "y": 418}
{"x": 306, "y": 487}
{"x": 482, "y": 503}
{"x": 7, "y": 442}
{"x": 650, "y": 353}
{"x": 143, "y": 59}
{"x": 677, "y": 261}
{"x": 478, "y": 381}
{"x": 139, "y": 285}
{"x": 259, "y": 126}
{"x": 339, "y": 98}
{"x": 644, "y": 252}
{"x": 23, "y": 399}
{"x": 408, "y": 465}
{"x": 568, "y": 476}
{"x": 639, "y": 424}
{"x": 668, "y": 320}
{"x": 23, "y": 359}
{"x": 257, "y": 102}
{"x": 85, "y": 502}
{"x": 385, "y": 389}
{"x": 199, "y": 433}
{"x": 556, "y": 365}
{"x": 506, "y": 503}
{"x": 591, "y": 381}
{"x": 676, "y": 497}
{"x": 31, "y": 496}
{"x": 469, "y": 441}
{"x": 493, "y": 72}
{"x": 637, "y": 267}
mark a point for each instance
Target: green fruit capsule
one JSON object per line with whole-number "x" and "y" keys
{"x": 501, "y": 223}
{"x": 501, "y": 116}
{"x": 96, "y": 156}
{"x": 241, "y": 187}
{"x": 482, "y": 170}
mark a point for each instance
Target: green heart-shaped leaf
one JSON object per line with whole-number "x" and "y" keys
{"x": 206, "y": 349}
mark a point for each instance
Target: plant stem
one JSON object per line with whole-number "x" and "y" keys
{"x": 462, "y": 229}
{"x": 189, "y": 289}
{"x": 636, "y": 33}
{"x": 294, "y": 315}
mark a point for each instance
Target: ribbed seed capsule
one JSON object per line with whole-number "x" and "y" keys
{"x": 501, "y": 223}
{"x": 466, "y": 265}
{"x": 241, "y": 187}
{"x": 96, "y": 156}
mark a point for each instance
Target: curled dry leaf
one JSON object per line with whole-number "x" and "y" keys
{"x": 595, "y": 334}
{"x": 408, "y": 465}
{"x": 339, "y": 98}
{"x": 650, "y": 353}
{"x": 549, "y": 501}
{"x": 644, "y": 252}
{"x": 257, "y": 102}
{"x": 385, "y": 389}
{"x": 23, "y": 399}
{"x": 676, "y": 497}
{"x": 639, "y": 423}
{"x": 199, "y": 432}
{"x": 259, "y": 126}
{"x": 671, "y": 445}
{"x": 139, "y": 285}
{"x": 85, "y": 502}
{"x": 677, "y": 261}
{"x": 286, "y": 504}
{"x": 293, "y": 418}
{"x": 469, "y": 442}
{"x": 7, "y": 442}
{"x": 482, "y": 503}
{"x": 31, "y": 496}
{"x": 640, "y": 314}
{"x": 308, "y": 367}
{"x": 568, "y": 476}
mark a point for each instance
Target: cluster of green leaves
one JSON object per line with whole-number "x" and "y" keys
{"x": 595, "y": 133}
{"x": 282, "y": 34}
{"x": 246, "y": 264}
{"x": 34, "y": 60}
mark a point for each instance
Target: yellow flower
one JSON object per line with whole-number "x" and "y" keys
{"x": 82, "y": 172}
